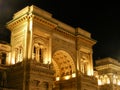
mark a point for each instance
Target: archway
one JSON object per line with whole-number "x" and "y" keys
{"x": 63, "y": 65}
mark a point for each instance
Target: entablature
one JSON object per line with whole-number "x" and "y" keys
{"x": 107, "y": 60}
{"x": 85, "y": 40}
{"x": 108, "y": 66}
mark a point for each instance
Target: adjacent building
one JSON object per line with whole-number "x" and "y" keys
{"x": 108, "y": 73}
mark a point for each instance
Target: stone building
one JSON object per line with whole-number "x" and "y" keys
{"x": 46, "y": 54}
{"x": 108, "y": 74}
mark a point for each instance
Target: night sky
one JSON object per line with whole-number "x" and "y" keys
{"x": 101, "y": 20}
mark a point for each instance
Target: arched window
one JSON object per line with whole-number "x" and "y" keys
{"x": 106, "y": 79}
{"x": 102, "y": 80}
{"x": 84, "y": 66}
{"x": 18, "y": 54}
{"x": 38, "y": 52}
{"x": 114, "y": 79}
{"x": 41, "y": 55}
{"x": 99, "y": 82}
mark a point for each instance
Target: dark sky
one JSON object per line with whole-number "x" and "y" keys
{"x": 101, "y": 20}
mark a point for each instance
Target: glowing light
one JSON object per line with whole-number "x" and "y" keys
{"x": 118, "y": 83}
{"x": 46, "y": 61}
{"x": 57, "y": 78}
{"x": 89, "y": 73}
{"x": 108, "y": 81}
{"x": 67, "y": 77}
{"x": 8, "y": 59}
{"x": 13, "y": 61}
{"x": 73, "y": 75}
{"x": 99, "y": 82}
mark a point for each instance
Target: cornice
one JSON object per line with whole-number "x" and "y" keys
{"x": 108, "y": 66}
{"x": 53, "y": 26}
{"x": 44, "y": 21}
{"x": 64, "y": 33}
{"x": 13, "y": 23}
{"x": 87, "y": 40}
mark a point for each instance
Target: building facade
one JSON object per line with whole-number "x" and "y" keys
{"x": 108, "y": 74}
{"x": 46, "y": 54}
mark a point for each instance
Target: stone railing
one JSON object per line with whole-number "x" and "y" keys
{"x": 38, "y": 64}
{"x": 39, "y": 67}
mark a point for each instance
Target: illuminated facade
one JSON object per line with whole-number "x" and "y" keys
{"x": 108, "y": 74}
{"x": 47, "y": 54}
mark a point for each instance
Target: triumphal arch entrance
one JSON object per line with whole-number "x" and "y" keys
{"x": 47, "y": 54}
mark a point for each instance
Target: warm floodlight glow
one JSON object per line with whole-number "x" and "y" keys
{"x": 13, "y": 61}
{"x": 67, "y": 77}
{"x": 118, "y": 83}
{"x": 89, "y": 73}
{"x": 99, "y": 82}
{"x": 46, "y": 61}
{"x": 108, "y": 81}
{"x": 74, "y": 75}
{"x": 57, "y": 78}
{"x": 8, "y": 59}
